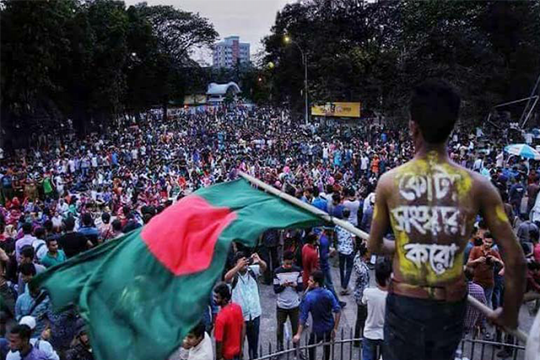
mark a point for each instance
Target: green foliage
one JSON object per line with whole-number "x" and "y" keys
{"x": 92, "y": 60}
{"x": 374, "y": 52}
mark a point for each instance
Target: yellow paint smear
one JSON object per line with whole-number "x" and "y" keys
{"x": 501, "y": 214}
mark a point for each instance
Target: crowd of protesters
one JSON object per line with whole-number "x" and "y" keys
{"x": 64, "y": 195}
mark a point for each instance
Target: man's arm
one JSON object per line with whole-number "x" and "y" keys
{"x": 474, "y": 259}
{"x": 304, "y": 313}
{"x": 337, "y": 317}
{"x": 262, "y": 264}
{"x": 219, "y": 350}
{"x": 381, "y": 220}
{"x": 231, "y": 273}
{"x": 277, "y": 284}
{"x": 336, "y": 309}
{"x": 299, "y": 283}
{"x": 492, "y": 208}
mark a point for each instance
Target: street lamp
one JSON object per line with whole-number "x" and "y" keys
{"x": 287, "y": 40}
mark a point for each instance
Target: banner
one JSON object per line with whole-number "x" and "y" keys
{"x": 337, "y": 109}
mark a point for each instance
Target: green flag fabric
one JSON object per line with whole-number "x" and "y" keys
{"x": 140, "y": 294}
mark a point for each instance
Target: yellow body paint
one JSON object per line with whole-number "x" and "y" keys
{"x": 462, "y": 186}
{"x": 501, "y": 214}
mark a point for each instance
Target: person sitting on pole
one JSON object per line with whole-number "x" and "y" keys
{"x": 431, "y": 203}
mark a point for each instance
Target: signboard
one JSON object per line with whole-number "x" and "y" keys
{"x": 337, "y": 109}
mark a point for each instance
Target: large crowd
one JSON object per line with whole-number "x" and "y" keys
{"x": 64, "y": 195}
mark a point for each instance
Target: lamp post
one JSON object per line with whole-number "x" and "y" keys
{"x": 287, "y": 39}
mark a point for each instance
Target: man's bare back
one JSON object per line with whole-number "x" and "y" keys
{"x": 431, "y": 203}
{"x": 432, "y": 214}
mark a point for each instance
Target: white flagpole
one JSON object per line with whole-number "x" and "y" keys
{"x": 519, "y": 334}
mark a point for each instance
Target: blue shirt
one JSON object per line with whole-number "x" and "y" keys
{"x": 321, "y": 304}
{"x": 89, "y": 230}
{"x": 320, "y": 203}
{"x": 324, "y": 253}
{"x": 23, "y": 305}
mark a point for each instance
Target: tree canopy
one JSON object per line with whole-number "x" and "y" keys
{"x": 92, "y": 60}
{"x": 374, "y": 52}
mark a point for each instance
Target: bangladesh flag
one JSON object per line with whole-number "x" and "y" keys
{"x": 140, "y": 294}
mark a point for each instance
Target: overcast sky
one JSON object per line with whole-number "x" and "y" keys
{"x": 249, "y": 19}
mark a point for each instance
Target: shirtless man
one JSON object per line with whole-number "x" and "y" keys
{"x": 431, "y": 203}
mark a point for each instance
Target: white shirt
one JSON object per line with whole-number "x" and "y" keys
{"x": 477, "y": 164}
{"x": 42, "y": 245}
{"x": 375, "y": 299}
{"x": 203, "y": 351}
{"x": 500, "y": 159}
{"x": 246, "y": 294}
{"x": 364, "y": 163}
{"x": 353, "y": 208}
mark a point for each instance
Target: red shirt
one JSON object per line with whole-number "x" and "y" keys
{"x": 537, "y": 252}
{"x": 310, "y": 262}
{"x": 228, "y": 331}
{"x": 483, "y": 273}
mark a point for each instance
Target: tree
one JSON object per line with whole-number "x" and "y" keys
{"x": 376, "y": 51}
{"x": 30, "y": 57}
{"x": 177, "y": 33}
{"x": 91, "y": 60}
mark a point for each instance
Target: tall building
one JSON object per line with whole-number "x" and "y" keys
{"x": 229, "y": 52}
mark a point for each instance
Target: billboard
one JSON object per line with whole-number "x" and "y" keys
{"x": 337, "y": 109}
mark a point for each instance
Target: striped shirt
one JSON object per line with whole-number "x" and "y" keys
{"x": 288, "y": 297}
{"x": 474, "y": 316}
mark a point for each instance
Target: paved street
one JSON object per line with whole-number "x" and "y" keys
{"x": 348, "y": 318}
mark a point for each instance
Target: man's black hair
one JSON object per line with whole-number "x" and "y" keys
{"x": 87, "y": 219}
{"x": 28, "y": 251}
{"x": 288, "y": 255}
{"x": 239, "y": 255}
{"x": 69, "y": 223}
{"x": 27, "y": 228}
{"x": 106, "y": 217}
{"x": 198, "y": 330}
{"x": 469, "y": 273}
{"x": 311, "y": 238}
{"x": 28, "y": 269}
{"x": 362, "y": 249}
{"x": 346, "y": 212}
{"x": 116, "y": 225}
{"x": 50, "y": 239}
{"x": 39, "y": 233}
{"x": 147, "y": 217}
{"x": 435, "y": 108}
{"x": 383, "y": 271}
{"x": 222, "y": 289}
{"x": 48, "y": 225}
{"x": 318, "y": 277}
{"x": 23, "y": 331}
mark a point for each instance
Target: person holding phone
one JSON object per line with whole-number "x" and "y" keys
{"x": 288, "y": 286}
{"x": 245, "y": 292}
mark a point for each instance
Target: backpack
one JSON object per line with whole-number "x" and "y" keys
{"x": 37, "y": 250}
{"x": 235, "y": 280}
